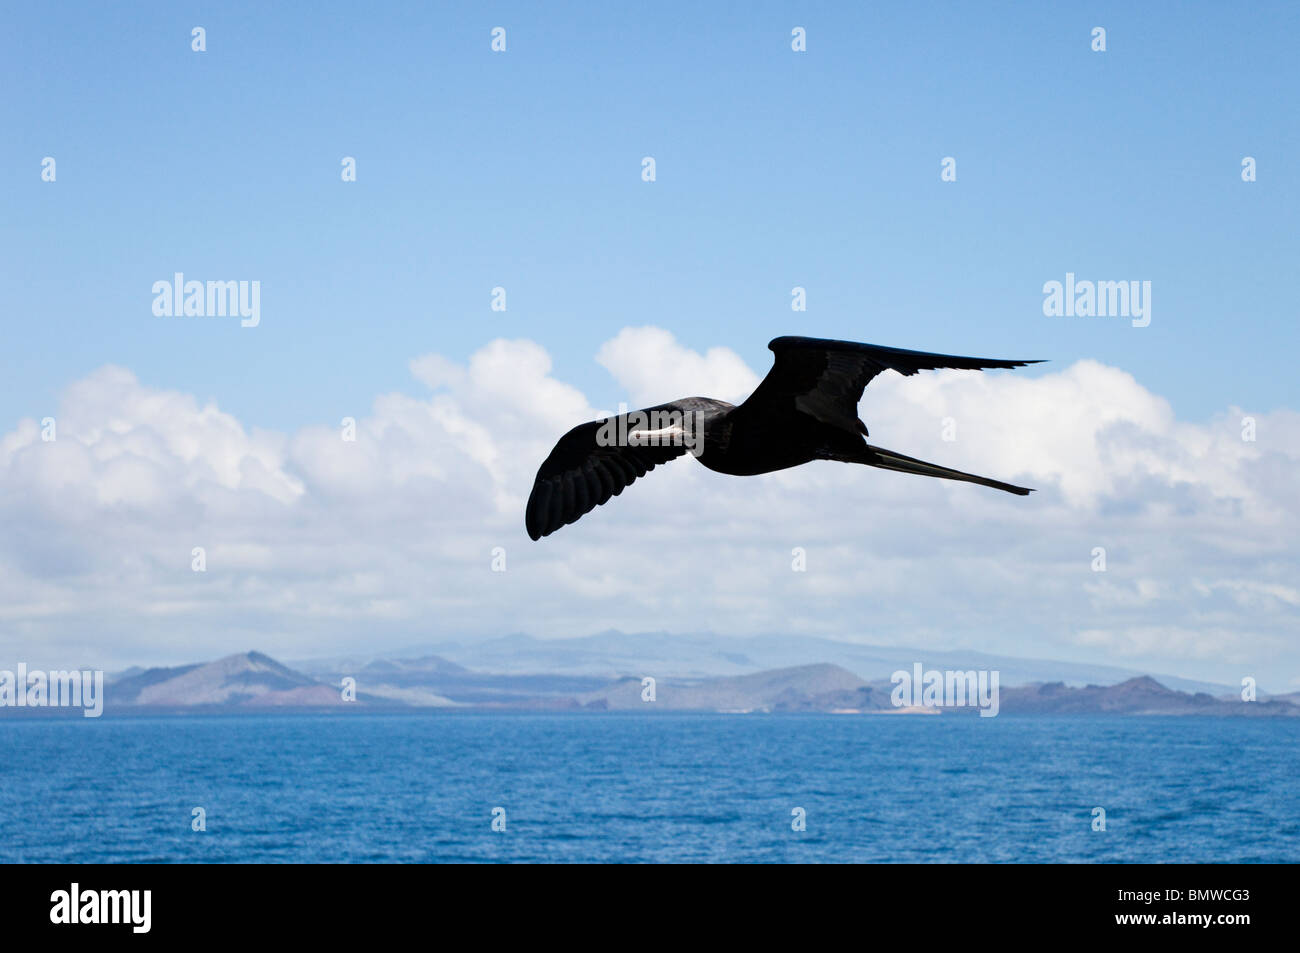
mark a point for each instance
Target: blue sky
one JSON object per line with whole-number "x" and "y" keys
{"x": 522, "y": 169}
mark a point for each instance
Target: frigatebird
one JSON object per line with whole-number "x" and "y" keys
{"x": 804, "y": 409}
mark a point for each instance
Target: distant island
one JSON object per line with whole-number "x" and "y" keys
{"x": 253, "y": 682}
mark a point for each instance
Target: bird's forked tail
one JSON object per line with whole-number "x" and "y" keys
{"x": 889, "y": 460}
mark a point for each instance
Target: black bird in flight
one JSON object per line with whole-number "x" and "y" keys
{"x": 805, "y": 409}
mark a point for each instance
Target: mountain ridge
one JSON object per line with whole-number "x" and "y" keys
{"x": 252, "y": 681}
{"x": 612, "y": 653}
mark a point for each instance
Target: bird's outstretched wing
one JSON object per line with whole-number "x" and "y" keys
{"x": 595, "y": 461}
{"x": 825, "y": 379}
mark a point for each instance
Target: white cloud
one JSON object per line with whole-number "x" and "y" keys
{"x": 318, "y": 545}
{"x": 654, "y": 369}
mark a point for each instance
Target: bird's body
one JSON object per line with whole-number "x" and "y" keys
{"x": 804, "y": 410}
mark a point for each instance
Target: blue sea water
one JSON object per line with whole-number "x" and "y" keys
{"x": 613, "y": 787}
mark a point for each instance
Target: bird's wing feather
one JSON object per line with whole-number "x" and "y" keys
{"x": 585, "y": 469}
{"x": 825, "y": 379}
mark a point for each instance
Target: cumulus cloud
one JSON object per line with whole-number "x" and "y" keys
{"x": 653, "y": 368}
{"x": 316, "y": 544}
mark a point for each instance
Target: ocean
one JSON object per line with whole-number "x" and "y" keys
{"x": 648, "y": 788}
